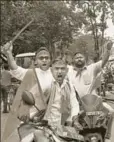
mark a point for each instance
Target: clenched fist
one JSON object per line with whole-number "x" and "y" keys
{"x": 7, "y": 48}
{"x": 109, "y": 45}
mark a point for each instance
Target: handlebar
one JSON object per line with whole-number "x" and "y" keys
{"x": 107, "y": 99}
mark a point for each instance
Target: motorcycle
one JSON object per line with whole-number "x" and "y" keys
{"x": 61, "y": 134}
{"x": 94, "y": 118}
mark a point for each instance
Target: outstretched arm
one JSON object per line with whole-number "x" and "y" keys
{"x": 16, "y": 71}
{"x": 107, "y": 53}
{"x": 97, "y": 67}
{"x": 7, "y": 49}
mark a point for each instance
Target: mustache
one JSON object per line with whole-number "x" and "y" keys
{"x": 79, "y": 61}
{"x": 59, "y": 75}
{"x": 80, "y": 65}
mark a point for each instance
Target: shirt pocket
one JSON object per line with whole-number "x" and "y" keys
{"x": 87, "y": 79}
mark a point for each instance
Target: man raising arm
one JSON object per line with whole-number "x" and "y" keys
{"x": 43, "y": 60}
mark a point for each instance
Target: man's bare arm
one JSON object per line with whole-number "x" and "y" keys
{"x": 16, "y": 71}
{"x": 7, "y": 49}
{"x": 107, "y": 53}
{"x": 99, "y": 65}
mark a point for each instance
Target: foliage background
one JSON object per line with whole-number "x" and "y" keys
{"x": 57, "y": 24}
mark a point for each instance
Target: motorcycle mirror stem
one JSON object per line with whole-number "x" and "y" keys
{"x": 28, "y": 98}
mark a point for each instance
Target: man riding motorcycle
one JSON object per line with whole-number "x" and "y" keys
{"x": 43, "y": 72}
{"x": 19, "y": 71}
{"x": 82, "y": 76}
{"x": 62, "y": 104}
{"x": 44, "y": 75}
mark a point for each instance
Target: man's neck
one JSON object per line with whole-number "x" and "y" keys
{"x": 61, "y": 84}
{"x": 80, "y": 68}
{"x": 43, "y": 70}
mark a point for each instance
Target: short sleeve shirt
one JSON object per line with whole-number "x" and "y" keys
{"x": 45, "y": 77}
{"x": 83, "y": 80}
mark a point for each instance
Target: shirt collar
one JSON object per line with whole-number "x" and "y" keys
{"x": 63, "y": 84}
{"x": 44, "y": 71}
{"x": 80, "y": 69}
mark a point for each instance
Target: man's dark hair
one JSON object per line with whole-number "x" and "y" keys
{"x": 58, "y": 59}
{"x": 42, "y": 49}
{"x": 78, "y": 52}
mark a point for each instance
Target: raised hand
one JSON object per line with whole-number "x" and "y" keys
{"x": 7, "y": 48}
{"x": 109, "y": 45}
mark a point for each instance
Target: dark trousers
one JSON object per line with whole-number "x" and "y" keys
{"x": 4, "y": 97}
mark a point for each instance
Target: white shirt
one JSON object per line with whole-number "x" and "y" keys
{"x": 55, "y": 115}
{"x": 45, "y": 80}
{"x": 82, "y": 81}
{"x": 45, "y": 77}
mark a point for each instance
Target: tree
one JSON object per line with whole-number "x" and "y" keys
{"x": 85, "y": 44}
{"x": 96, "y": 12}
{"x": 53, "y": 22}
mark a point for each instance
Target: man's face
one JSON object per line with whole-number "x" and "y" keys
{"x": 59, "y": 71}
{"x": 79, "y": 60}
{"x": 43, "y": 60}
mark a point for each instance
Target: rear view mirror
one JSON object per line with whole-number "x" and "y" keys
{"x": 28, "y": 98}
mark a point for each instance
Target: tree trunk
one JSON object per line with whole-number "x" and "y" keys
{"x": 51, "y": 48}
{"x": 96, "y": 38}
{"x": 102, "y": 30}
